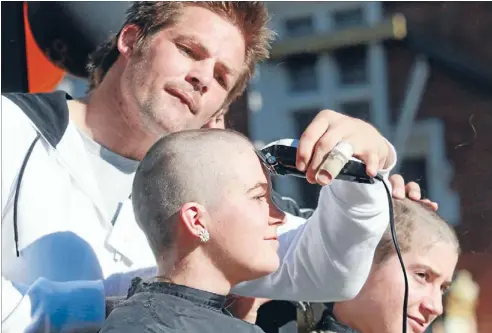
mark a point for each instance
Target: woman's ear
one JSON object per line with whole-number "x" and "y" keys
{"x": 194, "y": 218}
{"x": 127, "y": 40}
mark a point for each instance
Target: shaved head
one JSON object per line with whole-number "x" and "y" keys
{"x": 190, "y": 166}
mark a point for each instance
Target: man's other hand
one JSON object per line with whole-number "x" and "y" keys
{"x": 410, "y": 190}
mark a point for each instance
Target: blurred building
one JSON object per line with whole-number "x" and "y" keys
{"x": 455, "y": 38}
{"x": 423, "y": 78}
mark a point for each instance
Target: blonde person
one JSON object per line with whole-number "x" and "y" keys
{"x": 430, "y": 252}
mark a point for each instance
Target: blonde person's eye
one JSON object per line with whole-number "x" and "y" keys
{"x": 445, "y": 289}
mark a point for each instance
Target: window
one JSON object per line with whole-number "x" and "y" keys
{"x": 423, "y": 160}
{"x": 308, "y": 193}
{"x": 357, "y": 109}
{"x": 301, "y": 72}
{"x": 414, "y": 169}
{"x": 352, "y": 65}
{"x": 301, "y": 26}
{"x": 348, "y": 18}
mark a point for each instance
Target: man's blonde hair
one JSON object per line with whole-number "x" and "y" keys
{"x": 251, "y": 17}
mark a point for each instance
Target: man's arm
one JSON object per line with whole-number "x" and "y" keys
{"x": 273, "y": 315}
{"x": 329, "y": 257}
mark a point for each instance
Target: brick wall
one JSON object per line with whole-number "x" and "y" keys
{"x": 466, "y": 28}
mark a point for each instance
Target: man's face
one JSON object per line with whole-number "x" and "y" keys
{"x": 244, "y": 233}
{"x": 429, "y": 274}
{"x": 181, "y": 80}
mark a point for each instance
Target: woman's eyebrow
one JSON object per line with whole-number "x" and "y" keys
{"x": 259, "y": 185}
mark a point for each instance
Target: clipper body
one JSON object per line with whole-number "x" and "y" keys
{"x": 280, "y": 158}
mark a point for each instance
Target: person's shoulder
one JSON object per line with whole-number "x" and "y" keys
{"x": 162, "y": 312}
{"x": 55, "y": 101}
{"x": 132, "y": 315}
{"x": 47, "y": 112}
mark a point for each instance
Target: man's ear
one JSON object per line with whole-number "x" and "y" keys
{"x": 194, "y": 218}
{"x": 127, "y": 40}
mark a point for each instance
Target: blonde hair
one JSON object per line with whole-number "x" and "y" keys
{"x": 413, "y": 220}
{"x": 251, "y": 17}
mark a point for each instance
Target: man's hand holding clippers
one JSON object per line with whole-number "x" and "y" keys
{"x": 329, "y": 129}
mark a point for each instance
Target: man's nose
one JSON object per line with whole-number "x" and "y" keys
{"x": 201, "y": 75}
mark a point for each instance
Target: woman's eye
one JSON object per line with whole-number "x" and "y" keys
{"x": 261, "y": 197}
{"x": 422, "y": 276}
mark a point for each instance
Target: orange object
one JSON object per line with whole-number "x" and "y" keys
{"x": 42, "y": 74}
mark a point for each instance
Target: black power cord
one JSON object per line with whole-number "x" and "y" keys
{"x": 397, "y": 248}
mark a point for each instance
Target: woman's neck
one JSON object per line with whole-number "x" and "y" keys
{"x": 198, "y": 274}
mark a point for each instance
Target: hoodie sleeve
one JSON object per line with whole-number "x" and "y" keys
{"x": 328, "y": 257}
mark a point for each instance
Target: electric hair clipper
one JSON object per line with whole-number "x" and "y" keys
{"x": 280, "y": 159}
